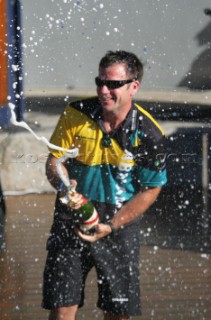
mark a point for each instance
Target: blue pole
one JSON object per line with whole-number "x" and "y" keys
{"x": 15, "y": 64}
{"x": 15, "y": 57}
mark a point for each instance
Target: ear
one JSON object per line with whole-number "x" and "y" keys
{"x": 134, "y": 87}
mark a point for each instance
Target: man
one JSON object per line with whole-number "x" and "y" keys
{"x": 118, "y": 169}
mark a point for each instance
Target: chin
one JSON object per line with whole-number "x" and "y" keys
{"x": 106, "y": 103}
{"x": 107, "y": 107}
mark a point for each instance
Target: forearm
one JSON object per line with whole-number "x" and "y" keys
{"x": 127, "y": 214}
{"x": 134, "y": 208}
{"x": 52, "y": 173}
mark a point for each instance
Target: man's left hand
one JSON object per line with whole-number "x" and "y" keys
{"x": 101, "y": 231}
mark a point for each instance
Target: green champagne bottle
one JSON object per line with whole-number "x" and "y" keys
{"x": 87, "y": 212}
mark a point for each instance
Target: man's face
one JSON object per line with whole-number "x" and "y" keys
{"x": 116, "y": 99}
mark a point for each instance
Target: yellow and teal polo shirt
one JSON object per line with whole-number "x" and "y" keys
{"x": 113, "y": 174}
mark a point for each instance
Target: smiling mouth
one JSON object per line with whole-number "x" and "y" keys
{"x": 105, "y": 98}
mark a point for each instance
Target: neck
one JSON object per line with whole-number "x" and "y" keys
{"x": 112, "y": 120}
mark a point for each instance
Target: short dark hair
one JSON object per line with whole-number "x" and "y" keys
{"x": 133, "y": 64}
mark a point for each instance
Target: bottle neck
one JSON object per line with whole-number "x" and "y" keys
{"x": 73, "y": 192}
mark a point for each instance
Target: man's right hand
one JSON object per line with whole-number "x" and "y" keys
{"x": 76, "y": 199}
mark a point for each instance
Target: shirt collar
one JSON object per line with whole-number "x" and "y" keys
{"x": 130, "y": 122}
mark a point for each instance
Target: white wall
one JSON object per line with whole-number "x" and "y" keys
{"x": 63, "y": 40}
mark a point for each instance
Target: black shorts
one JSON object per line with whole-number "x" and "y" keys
{"x": 116, "y": 259}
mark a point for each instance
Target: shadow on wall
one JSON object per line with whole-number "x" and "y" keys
{"x": 199, "y": 76}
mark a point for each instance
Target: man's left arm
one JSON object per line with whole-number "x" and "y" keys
{"x": 132, "y": 210}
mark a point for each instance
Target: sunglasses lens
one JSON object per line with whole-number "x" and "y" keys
{"x": 111, "y": 84}
{"x": 108, "y": 83}
{"x": 115, "y": 84}
{"x": 98, "y": 82}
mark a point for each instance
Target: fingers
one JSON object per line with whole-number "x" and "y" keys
{"x": 76, "y": 201}
{"x": 73, "y": 183}
{"x": 90, "y": 238}
{"x": 102, "y": 230}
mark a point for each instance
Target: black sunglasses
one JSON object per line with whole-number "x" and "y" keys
{"x": 112, "y": 84}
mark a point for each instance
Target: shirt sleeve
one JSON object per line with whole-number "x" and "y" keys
{"x": 151, "y": 157}
{"x": 62, "y": 135}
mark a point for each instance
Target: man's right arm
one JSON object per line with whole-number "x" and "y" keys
{"x": 52, "y": 173}
{"x": 56, "y": 182}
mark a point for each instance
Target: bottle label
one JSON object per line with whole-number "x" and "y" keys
{"x": 91, "y": 222}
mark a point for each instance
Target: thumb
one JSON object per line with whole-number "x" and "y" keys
{"x": 73, "y": 183}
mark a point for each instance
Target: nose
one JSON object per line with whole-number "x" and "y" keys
{"x": 103, "y": 89}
